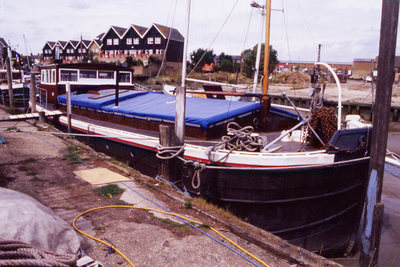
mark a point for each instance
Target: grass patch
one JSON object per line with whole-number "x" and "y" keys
{"x": 23, "y": 168}
{"x": 29, "y": 160}
{"x": 31, "y": 173}
{"x": 99, "y": 228}
{"x": 69, "y": 187}
{"x": 73, "y": 155}
{"x": 202, "y": 204}
{"x": 37, "y": 179}
{"x": 120, "y": 202}
{"x": 188, "y": 203}
{"x": 107, "y": 190}
{"x": 13, "y": 128}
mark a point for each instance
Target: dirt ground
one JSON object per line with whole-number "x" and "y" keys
{"x": 34, "y": 164}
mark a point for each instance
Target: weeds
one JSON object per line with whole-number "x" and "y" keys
{"x": 108, "y": 190}
{"x": 13, "y": 128}
{"x": 99, "y": 228}
{"x": 188, "y": 203}
{"x": 73, "y": 155}
{"x": 31, "y": 173}
{"x": 37, "y": 179}
{"x": 29, "y": 160}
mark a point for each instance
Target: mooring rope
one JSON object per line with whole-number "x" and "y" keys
{"x": 16, "y": 253}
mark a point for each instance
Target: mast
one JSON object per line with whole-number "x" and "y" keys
{"x": 257, "y": 66}
{"x": 181, "y": 91}
{"x": 266, "y": 49}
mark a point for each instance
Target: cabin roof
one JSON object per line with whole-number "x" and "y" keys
{"x": 86, "y": 43}
{"x": 50, "y": 43}
{"x": 100, "y": 35}
{"x": 81, "y": 65}
{"x": 165, "y": 32}
{"x": 140, "y": 30}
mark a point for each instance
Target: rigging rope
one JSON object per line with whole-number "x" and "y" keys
{"x": 215, "y": 38}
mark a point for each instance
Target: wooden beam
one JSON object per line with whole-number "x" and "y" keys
{"x": 387, "y": 50}
{"x": 9, "y": 80}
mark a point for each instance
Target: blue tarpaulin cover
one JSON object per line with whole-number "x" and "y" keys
{"x": 199, "y": 111}
{"x": 89, "y": 100}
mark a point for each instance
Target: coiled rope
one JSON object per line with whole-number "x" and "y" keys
{"x": 237, "y": 138}
{"x": 165, "y": 152}
{"x": 16, "y": 253}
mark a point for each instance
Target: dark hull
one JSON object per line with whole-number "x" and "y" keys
{"x": 317, "y": 208}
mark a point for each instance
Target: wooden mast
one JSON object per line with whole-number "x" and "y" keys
{"x": 264, "y": 99}
{"x": 266, "y": 49}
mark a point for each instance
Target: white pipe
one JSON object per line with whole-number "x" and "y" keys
{"x": 339, "y": 92}
{"x": 185, "y": 47}
{"x": 216, "y": 83}
{"x": 257, "y": 66}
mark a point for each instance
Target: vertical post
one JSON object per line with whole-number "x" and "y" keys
{"x": 68, "y": 91}
{"x": 117, "y": 87}
{"x": 33, "y": 93}
{"x": 9, "y": 79}
{"x": 372, "y": 80}
{"x": 181, "y": 91}
{"x": 167, "y": 168}
{"x": 387, "y": 49}
{"x": 258, "y": 56}
{"x": 266, "y": 49}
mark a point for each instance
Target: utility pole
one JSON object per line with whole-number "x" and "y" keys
{"x": 373, "y": 208}
{"x": 9, "y": 79}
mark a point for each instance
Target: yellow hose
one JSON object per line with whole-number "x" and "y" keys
{"x": 159, "y": 211}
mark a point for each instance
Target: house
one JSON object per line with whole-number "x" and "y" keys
{"x": 49, "y": 51}
{"x": 94, "y": 49}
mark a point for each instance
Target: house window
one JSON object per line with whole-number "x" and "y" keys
{"x": 68, "y": 75}
{"x": 96, "y": 50}
{"x": 87, "y": 74}
{"x": 115, "y": 41}
{"x": 124, "y": 77}
{"x": 128, "y": 41}
{"x": 157, "y": 40}
{"x": 83, "y": 50}
{"x": 79, "y": 50}
{"x": 53, "y": 76}
{"x": 150, "y": 40}
{"x": 104, "y": 74}
{"x": 150, "y": 51}
{"x": 135, "y": 41}
{"x": 109, "y": 41}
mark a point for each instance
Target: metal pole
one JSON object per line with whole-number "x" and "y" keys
{"x": 68, "y": 91}
{"x": 9, "y": 79}
{"x": 257, "y": 66}
{"x": 181, "y": 91}
{"x": 387, "y": 49}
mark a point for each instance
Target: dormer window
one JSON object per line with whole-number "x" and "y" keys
{"x": 115, "y": 41}
{"x": 157, "y": 40}
{"x": 109, "y": 41}
{"x": 150, "y": 40}
{"x": 135, "y": 41}
{"x": 128, "y": 41}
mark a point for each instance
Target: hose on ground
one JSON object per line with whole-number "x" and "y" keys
{"x": 159, "y": 211}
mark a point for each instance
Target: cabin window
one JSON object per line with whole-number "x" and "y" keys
{"x": 109, "y": 41}
{"x": 53, "y": 76}
{"x": 157, "y": 40}
{"x": 104, "y": 74}
{"x": 128, "y": 41}
{"x": 68, "y": 75}
{"x": 150, "y": 40}
{"x": 115, "y": 41}
{"x": 87, "y": 74}
{"x": 124, "y": 77}
{"x": 135, "y": 40}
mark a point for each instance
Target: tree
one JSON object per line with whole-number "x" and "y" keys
{"x": 250, "y": 60}
{"x": 195, "y": 57}
{"x": 225, "y": 63}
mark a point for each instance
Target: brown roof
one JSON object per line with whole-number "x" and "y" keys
{"x": 175, "y": 34}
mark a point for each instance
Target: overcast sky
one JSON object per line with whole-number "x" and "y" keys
{"x": 346, "y": 29}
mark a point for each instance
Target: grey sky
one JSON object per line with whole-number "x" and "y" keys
{"x": 347, "y": 28}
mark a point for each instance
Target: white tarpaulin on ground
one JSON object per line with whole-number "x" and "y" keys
{"x": 25, "y": 219}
